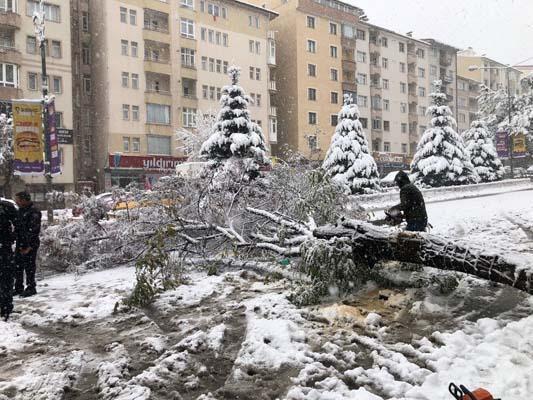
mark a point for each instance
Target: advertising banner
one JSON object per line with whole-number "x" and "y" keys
{"x": 28, "y": 138}
{"x": 55, "y": 158}
{"x": 519, "y": 146}
{"x": 147, "y": 163}
{"x": 502, "y": 145}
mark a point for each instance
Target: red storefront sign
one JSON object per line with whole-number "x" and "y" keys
{"x": 147, "y": 163}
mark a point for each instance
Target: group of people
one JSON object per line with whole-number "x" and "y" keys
{"x": 19, "y": 243}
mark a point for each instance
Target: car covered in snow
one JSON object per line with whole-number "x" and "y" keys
{"x": 529, "y": 171}
{"x": 388, "y": 180}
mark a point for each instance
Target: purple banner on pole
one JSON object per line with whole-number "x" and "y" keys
{"x": 55, "y": 159}
{"x": 502, "y": 144}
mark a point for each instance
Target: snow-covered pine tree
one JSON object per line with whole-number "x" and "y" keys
{"x": 234, "y": 135}
{"x": 483, "y": 153}
{"x": 441, "y": 158}
{"x": 348, "y": 161}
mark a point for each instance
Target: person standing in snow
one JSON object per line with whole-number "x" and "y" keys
{"x": 28, "y": 227}
{"x": 411, "y": 204}
{"x": 8, "y": 215}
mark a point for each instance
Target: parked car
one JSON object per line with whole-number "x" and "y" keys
{"x": 529, "y": 171}
{"x": 388, "y": 180}
{"x": 520, "y": 172}
{"x": 106, "y": 199}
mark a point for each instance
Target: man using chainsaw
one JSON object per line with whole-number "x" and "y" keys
{"x": 411, "y": 205}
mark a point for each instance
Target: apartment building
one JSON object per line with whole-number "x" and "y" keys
{"x": 467, "y": 106}
{"x": 156, "y": 64}
{"x": 21, "y": 78}
{"x": 491, "y": 73}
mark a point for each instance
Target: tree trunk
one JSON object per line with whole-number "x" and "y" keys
{"x": 373, "y": 244}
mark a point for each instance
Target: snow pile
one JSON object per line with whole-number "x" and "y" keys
{"x": 483, "y": 153}
{"x": 441, "y": 158}
{"x": 234, "y": 134}
{"x": 348, "y": 160}
{"x": 14, "y": 337}
{"x": 273, "y": 338}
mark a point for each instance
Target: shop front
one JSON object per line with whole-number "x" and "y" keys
{"x": 145, "y": 171}
{"x": 389, "y": 162}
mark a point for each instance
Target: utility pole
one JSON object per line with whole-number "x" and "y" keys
{"x": 38, "y": 22}
{"x": 511, "y": 141}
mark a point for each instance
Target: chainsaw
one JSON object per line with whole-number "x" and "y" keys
{"x": 462, "y": 393}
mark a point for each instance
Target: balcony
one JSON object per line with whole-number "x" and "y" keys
{"x": 271, "y": 35}
{"x": 9, "y": 54}
{"x": 349, "y": 87}
{"x": 349, "y": 66}
{"x": 348, "y": 42}
{"x": 272, "y": 86}
{"x": 10, "y": 19}
{"x": 157, "y": 85}
{"x": 271, "y": 60}
{"x": 445, "y": 60}
{"x": 273, "y": 111}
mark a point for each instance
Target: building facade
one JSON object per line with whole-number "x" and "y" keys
{"x": 155, "y": 65}
{"x": 21, "y": 78}
{"x": 467, "y": 106}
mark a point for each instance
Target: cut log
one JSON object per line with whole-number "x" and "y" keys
{"x": 373, "y": 244}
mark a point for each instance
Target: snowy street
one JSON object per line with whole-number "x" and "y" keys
{"x": 235, "y": 335}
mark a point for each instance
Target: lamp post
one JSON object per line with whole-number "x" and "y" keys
{"x": 509, "y": 107}
{"x": 38, "y": 23}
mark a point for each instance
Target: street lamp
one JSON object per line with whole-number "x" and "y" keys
{"x": 507, "y": 68}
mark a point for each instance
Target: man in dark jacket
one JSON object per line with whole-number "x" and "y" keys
{"x": 28, "y": 227}
{"x": 8, "y": 215}
{"x": 411, "y": 204}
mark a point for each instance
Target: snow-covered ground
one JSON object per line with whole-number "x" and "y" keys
{"x": 236, "y": 336}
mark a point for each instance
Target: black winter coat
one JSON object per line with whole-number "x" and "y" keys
{"x": 28, "y": 227}
{"x": 8, "y": 217}
{"x": 412, "y": 204}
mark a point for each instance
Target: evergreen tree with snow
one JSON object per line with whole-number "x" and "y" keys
{"x": 441, "y": 158}
{"x": 348, "y": 160}
{"x": 234, "y": 136}
{"x": 483, "y": 153}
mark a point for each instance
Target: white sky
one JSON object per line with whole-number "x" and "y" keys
{"x": 501, "y": 29}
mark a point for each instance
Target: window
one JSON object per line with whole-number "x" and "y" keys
{"x": 364, "y": 122}
{"x": 361, "y": 56}
{"x": 361, "y": 35}
{"x": 312, "y": 118}
{"x": 51, "y": 11}
{"x": 421, "y": 129}
{"x": 56, "y": 49}
{"x": 86, "y": 54}
{"x": 334, "y": 98}
{"x": 204, "y": 91}
{"x": 311, "y": 22}
{"x": 385, "y": 83}
{"x": 136, "y": 145}
{"x": 224, "y": 13}
{"x": 189, "y": 117}
{"x": 384, "y": 42}
{"x": 31, "y": 45}
{"x": 187, "y": 28}
{"x": 125, "y": 144}
{"x": 333, "y": 51}
{"x": 135, "y": 113}
{"x": 125, "y": 112}
{"x": 217, "y": 38}
{"x": 376, "y": 102}
{"x": 124, "y": 47}
{"x": 87, "y": 84}
{"x": 32, "y": 81}
{"x": 376, "y": 124}
{"x": 402, "y": 67}
{"x": 362, "y": 101}
{"x": 311, "y": 69}
{"x": 135, "y": 81}
{"x": 211, "y": 36}
{"x": 385, "y": 63}
{"x": 386, "y": 147}
{"x": 420, "y": 53}
{"x": 422, "y": 110}
{"x": 251, "y": 46}
{"x": 386, "y": 126}
{"x": 219, "y": 93}
{"x": 404, "y": 128}
{"x": 125, "y": 79}
{"x": 204, "y": 63}
{"x": 211, "y": 65}
{"x": 403, "y": 87}
{"x": 225, "y": 67}
{"x": 123, "y": 15}
{"x": 159, "y": 145}
{"x": 334, "y": 74}
{"x": 334, "y": 119}
{"x": 225, "y": 41}
{"x": 203, "y": 34}
{"x": 401, "y": 47}
{"x": 386, "y": 105}
{"x": 422, "y": 91}
{"x": 433, "y": 70}
{"x": 258, "y": 74}
{"x": 311, "y": 94}
{"x": 421, "y": 73}
{"x": 57, "y": 84}
{"x": 85, "y": 21}
{"x": 157, "y": 114}
{"x": 59, "y": 119}
{"x": 258, "y": 100}
{"x": 403, "y": 107}
{"x": 462, "y": 117}
{"x": 219, "y": 66}
{"x": 187, "y": 57}
{"x": 311, "y": 46}
{"x": 134, "y": 49}
{"x": 187, "y": 3}
{"x": 332, "y": 28}
{"x": 133, "y": 17}
{"x": 211, "y": 92}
